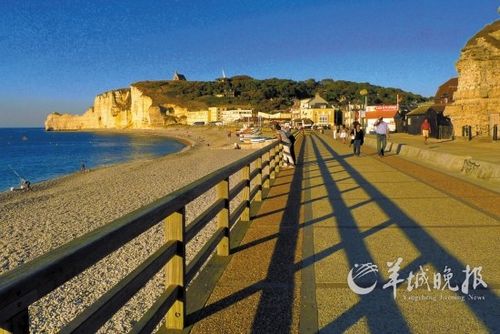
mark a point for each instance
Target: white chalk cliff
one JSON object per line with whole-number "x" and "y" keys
{"x": 118, "y": 109}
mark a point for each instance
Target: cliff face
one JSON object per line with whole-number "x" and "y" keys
{"x": 477, "y": 99}
{"x": 118, "y": 109}
{"x": 111, "y": 110}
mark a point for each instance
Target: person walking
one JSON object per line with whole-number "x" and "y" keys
{"x": 291, "y": 137}
{"x": 382, "y": 131}
{"x": 358, "y": 140}
{"x": 287, "y": 144}
{"x": 343, "y": 134}
{"x": 426, "y": 129}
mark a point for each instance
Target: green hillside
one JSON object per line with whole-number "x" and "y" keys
{"x": 267, "y": 95}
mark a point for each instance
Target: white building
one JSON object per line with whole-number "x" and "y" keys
{"x": 234, "y": 115}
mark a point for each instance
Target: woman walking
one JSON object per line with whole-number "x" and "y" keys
{"x": 359, "y": 137}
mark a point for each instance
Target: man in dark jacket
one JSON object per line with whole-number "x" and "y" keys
{"x": 359, "y": 137}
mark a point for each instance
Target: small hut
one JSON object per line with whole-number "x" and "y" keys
{"x": 440, "y": 125}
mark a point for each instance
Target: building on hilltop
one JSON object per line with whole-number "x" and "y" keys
{"x": 179, "y": 77}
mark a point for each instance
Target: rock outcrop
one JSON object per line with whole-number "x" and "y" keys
{"x": 477, "y": 99}
{"x": 119, "y": 109}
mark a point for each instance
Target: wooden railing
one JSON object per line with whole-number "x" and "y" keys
{"x": 30, "y": 282}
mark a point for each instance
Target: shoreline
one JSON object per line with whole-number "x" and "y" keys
{"x": 60, "y": 210}
{"x": 187, "y": 142}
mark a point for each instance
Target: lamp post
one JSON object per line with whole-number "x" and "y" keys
{"x": 364, "y": 93}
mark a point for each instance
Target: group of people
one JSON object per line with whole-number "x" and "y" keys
{"x": 355, "y": 136}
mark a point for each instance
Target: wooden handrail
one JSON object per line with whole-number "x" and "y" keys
{"x": 28, "y": 283}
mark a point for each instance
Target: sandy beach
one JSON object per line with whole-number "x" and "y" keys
{"x": 57, "y": 211}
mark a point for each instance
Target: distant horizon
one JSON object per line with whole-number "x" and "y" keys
{"x": 58, "y": 57}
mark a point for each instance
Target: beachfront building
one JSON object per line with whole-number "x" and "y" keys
{"x": 198, "y": 117}
{"x": 279, "y": 116}
{"x": 352, "y": 113}
{"x": 316, "y": 109}
{"x": 387, "y": 112}
{"x": 218, "y": 114}
{"x": 235, "y": 115}
{"x": 202, "y": 116}
{"x": 440, "y": 124}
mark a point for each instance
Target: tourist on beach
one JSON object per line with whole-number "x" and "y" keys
{"x": 426, "y": 129}
{"x": 25, "y": 185}
{"x": 358, "y": 138}
{"x": 382, "y": 131}
{"x": 287, "y": 145}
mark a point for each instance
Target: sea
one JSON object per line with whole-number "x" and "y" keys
{"x": 37, "y": 155}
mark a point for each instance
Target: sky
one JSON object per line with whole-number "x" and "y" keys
{"x": 57, "y": 55}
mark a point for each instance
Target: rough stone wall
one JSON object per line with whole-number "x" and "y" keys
{"x": 477, "y": 99}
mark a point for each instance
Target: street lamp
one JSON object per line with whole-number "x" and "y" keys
{"x": 364, "y": 92}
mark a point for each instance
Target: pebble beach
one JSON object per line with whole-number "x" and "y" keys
{"x": 57, "y": 211}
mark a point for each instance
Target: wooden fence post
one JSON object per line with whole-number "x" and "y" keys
{"x": 18, "y": 324}
{"x": 245, "y": 175}
{"x": 223, "y": 247}
{"x": 279, "y": 154}
{"x": 268, "y": 162}
{"x": 258, "y": 196}
{"x": 176, "y": 268}
{"x": 272, "y": 167}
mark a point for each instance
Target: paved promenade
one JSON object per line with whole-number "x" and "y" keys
{"x": 335, "y": 211}
{"x": 478, "y": 150}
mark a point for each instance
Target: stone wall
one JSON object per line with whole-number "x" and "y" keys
{"x": 477, "y": 99}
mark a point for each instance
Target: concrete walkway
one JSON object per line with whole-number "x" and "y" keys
{"x": 336, "y": 211}
{"x": 478, "y": 150}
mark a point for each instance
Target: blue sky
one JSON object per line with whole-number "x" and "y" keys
{"x": 56, "y": 55}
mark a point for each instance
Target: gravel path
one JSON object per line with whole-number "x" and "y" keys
{"x": 57, "y": 211}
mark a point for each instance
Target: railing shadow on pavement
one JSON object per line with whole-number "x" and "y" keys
{"x": 352, "y": 239}
{"x": 352, "y": 243}
{"x": 280, "y": 269}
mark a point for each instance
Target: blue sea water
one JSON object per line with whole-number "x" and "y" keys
{"x": 37, "y": 155}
